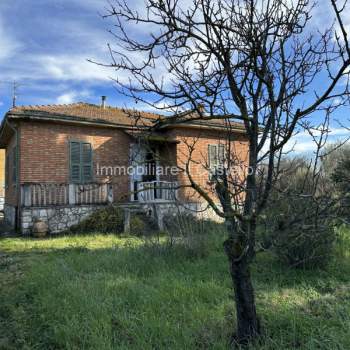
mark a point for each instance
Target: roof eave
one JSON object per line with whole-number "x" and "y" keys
{"x": 69, "y": 120}
{"x": 201, "y": 126}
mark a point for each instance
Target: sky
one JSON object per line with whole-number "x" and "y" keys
{"x": 45, "y": 45}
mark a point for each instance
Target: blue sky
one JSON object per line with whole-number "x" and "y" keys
{"x": 45, "y": 44}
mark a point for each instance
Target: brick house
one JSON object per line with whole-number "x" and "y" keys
{"x": 64, "y": 161}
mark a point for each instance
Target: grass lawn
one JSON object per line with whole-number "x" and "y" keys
{"x": 104, "y": 292}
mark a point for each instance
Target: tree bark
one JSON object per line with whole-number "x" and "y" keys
{"x": 248, "y": 325}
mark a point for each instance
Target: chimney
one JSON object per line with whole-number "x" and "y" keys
{"x": 103, "y": 101}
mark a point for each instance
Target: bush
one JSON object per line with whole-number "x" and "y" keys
{"x": 142, "y": 225}
{"x": 343, "y": 242}
{"x": 305, "y": 247}
{"x": 298, "y": 222}
{"x": 106, "y": 220}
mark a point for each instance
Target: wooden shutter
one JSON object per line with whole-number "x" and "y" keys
{"x": 86, "y": 157}
{"x": 80, "y": 162}
{"x": 221, "y": 154}
{"x": 212, "y": 156}
{"x": 75, "y": 172}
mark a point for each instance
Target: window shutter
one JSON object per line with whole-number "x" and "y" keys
{"x": 221, "y": 155}
{"x": 80, "y": 162}
{"x": 75, "y": 174}
{"x": 212, "y": 155}
{"x": 86, "y": 153}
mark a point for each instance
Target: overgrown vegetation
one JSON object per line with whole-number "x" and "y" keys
{"x": 112, "y": 292}
{"x": 106, "y": 220}
{"x": 191, "y": 233}
{"x": 299, "y": 222}
{"x": 111, "y": 220}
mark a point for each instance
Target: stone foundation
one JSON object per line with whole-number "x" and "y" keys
{"x": 61, "y": 218}
{"x": 58, "y": 218}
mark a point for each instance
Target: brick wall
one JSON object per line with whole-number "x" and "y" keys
{"x": 45, "y": 152}
{"x": 201, "y": 138}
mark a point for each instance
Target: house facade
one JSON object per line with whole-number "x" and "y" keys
{"x": 65, "y": 161}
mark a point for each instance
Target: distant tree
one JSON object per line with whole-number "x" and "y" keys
{"x": 299, "y": 220}
{"x": 332, "y": 155}
{"x": 256, "y": 61}
{"x": 340, "y": 175}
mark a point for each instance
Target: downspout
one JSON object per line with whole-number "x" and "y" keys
{"x": 18, "y": 190}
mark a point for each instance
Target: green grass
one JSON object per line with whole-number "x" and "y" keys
{"x": 105, "y": 292}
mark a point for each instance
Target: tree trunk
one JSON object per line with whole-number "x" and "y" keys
{"x": 248, "y": 325}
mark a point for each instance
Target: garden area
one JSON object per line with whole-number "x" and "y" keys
{"x": 107, "y": 291}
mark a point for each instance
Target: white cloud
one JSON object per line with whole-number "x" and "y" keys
{"x": 60, "y": 67}
{"x": 302, "y": 143}
{"x": 8, "y": 43}
{"x": 67, "y": 98}
{"x": 72, "y": 67}
{"x": 72, "y": 96}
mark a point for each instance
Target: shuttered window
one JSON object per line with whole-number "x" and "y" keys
{"x": 216, "y": 155}
{"x": 216, "y": 159}
{"x": 80, "y": 162}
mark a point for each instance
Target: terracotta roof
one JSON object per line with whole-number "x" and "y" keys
{"x": 89, "y": 112}
{"x": 125, "y": 117}
{"x": 193, "y": 118}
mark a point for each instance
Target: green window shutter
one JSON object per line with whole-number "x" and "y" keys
{"x": 14, "y": 165}
{"x": 75, "y": 172}
{"x": 212, "y": 156}
{"x": 80, "y": 162}
{"x": 86, "y": 156}
{"x": 221, "y": 154}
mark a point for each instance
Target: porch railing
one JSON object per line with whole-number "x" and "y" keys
{"x": 53, "y": 194}
{"x": 157, "y": 190}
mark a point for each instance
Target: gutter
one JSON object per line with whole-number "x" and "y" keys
{"x": 17, "y": 184}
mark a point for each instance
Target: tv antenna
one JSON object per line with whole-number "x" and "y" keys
{"x": 15, "y": 87}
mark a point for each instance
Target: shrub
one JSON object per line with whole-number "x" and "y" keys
{"x": 106, "y": 220}
{"x": 343, "y": 242}
{"x": 142, "y": 225}
{"x": 305, "y": 247}
{"x": 299, "y": 220}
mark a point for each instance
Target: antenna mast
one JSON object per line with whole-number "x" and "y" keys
{"x": 14, "y": 93}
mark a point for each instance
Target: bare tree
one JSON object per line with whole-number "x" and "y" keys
{"x": 261, "y": 62}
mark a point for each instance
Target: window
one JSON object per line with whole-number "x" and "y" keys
{"x": 216, "y": 158}
{"x": 80, "y": 162}
{"x": 14, "y": 165}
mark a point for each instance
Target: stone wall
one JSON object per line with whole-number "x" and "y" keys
{"x": 62, "y": 218}
{"x": 58, "y": 218}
